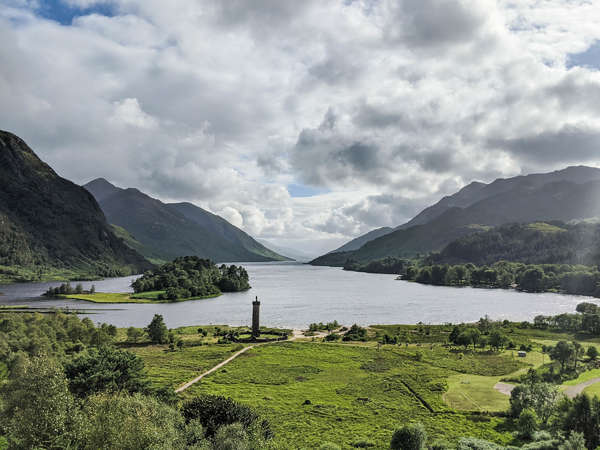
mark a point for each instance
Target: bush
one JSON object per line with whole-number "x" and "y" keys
{"x": 123, "y": 421}
{"x": 106, "y": 369}
{"x": 527, "y": 423}
{"x": 329, "y": 446}
{"x": 477, "y": 444}
{"x": 410, "y": 437}
{"x": 214, "y": 411}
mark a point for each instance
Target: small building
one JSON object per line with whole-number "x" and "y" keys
{"x": 522, "y": 354}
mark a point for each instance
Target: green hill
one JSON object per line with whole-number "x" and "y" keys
{"x": 164, "y": 231}
{"x": 536, "y": 243}
{"x": 50, "y": 227}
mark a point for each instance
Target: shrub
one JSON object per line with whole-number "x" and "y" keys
{"x": 329, "y": 446}
{"x": 123, "y": 421}
{"x": 527, "y": 423}
{"x": 409, "y": 437}
{"x": 214, "y": 411}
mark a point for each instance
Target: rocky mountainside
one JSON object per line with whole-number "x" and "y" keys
{"x": 164, "y": 231}
{"x": 49, "y": 224}
{"x": 569, "y": 194}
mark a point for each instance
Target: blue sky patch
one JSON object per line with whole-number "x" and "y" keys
{"x": 301, "y": 190}
{"x": 590, "y": 58}
{"x": 64, "y": 13}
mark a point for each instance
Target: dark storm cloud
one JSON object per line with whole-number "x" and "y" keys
{"x": 322, "y": 156}
{"x": 386, "y": 209}
{"x": 571, "y": 143}
{"x": 432, "y": 23}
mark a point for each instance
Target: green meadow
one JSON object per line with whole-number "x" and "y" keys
{"x": 356, "y": 394}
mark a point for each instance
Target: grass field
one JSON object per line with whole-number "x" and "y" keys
{"x": 167, "y": 368}
{"x": 476, "y": 393}
{"x": 585, "y": 376}
{"x": 142, "y": 297}
{"x": 356, "y": 392}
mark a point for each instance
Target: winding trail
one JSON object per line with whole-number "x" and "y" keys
{"x": 569, "y": 391}
{"x": 295, "y": 335}
{"x": 574, "y": 391}
{"x": 504, "y": 388}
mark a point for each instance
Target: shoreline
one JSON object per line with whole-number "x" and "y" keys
{"x": 124, "y": 298}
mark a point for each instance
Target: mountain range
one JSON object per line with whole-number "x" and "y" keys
{"x": 49, "y": 225}
{"x": 163, "y": 231}
{"x": 570, "y": 194}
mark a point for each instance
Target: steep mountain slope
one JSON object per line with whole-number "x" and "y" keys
{"x": 535, "y": 243}
{"x": 474, "y": 193}
{"x": 49, "y": 224}
{"x": 563, "y": 195}
{"x": 562, "y": 201}
{"x": 168, "y": 230}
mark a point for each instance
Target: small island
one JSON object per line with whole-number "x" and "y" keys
{"x": 185, "y": 278}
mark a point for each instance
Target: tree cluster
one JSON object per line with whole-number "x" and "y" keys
{"x": 570, "y": 279}
{"x": 69, "y": 388}
{"x": 191, "y": 276}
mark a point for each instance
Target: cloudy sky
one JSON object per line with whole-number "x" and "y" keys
{"x": 305, "y": 123}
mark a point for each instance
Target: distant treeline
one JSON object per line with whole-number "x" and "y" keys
{"x": 386, "y": 265}
{"x": 566, "y": 278}
{"x": 190, "y": 276}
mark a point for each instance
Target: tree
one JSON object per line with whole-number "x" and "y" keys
{"x": 130, "y": 422}
{"x": 562, "y": 352}
{"x": 541, "y": 397}
{"x": 38, "y": 410}
{"x": 575, "y": 441}
{"x": 157, "y": 330}
{"x": 134, "y": 334}
{"x": 409, "y": 437}
{"x": 592, "y": 352}
{"x": 497, "y": 339}
{"x": 214, "y": 411}
{"x": 453, "y": 338}
{"x": 469, "y": 336}
{"x": 106, "y": 369}
{"x": 93, "y": 289}
{"x": 583, "y": 415}
{"x": 527, "y": 423}
{"x": 532, "y": 280}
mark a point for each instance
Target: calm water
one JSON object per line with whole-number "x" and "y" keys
{"x": 294, "y": 295}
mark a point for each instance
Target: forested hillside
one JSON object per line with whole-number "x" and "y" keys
{"x": 50, "y": 227}
{"x": 535, "y": 243}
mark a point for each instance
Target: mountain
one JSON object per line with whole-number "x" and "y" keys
{"x": 295, "y": 254}
{"x": 51, "y": 225}
{"x": 561, "y": 195}
{"x": 534, "y": 243}
{"x": 164, "y": 231}
{"x": 358, "y": 242}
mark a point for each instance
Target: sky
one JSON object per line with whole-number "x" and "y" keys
{"x": 305, "y": 123}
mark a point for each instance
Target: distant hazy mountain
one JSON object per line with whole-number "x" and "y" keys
{"x": 163, "y": 231}
{"x": 565, "y": 195}
{"x": 49, "y": 223}
{"x": 295, "y": 254}
{"x": 358, "y": 242}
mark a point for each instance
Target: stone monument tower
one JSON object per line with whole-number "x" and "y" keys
{"x": 255, "y": 318}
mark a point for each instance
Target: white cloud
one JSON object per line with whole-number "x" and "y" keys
{"x": 389, "y": 104}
